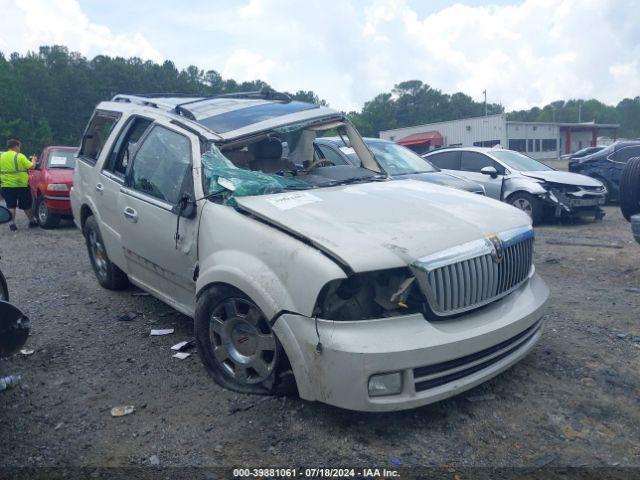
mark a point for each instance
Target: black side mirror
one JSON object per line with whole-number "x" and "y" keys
{"x": 14, "y": 329}
{"x": 5, "y": 215}
{"x": 186, "y": 207}
{"x": 491, "y": 171}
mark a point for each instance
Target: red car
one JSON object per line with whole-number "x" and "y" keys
{"x": 51, "y": 183}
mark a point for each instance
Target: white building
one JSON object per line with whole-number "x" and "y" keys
{"x": 542, "y": 140}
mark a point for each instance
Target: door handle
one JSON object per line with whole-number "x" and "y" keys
{"x": 130, "y": 214}
{"x": 99, "y": 187}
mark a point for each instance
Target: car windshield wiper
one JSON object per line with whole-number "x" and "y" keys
{"x": 348, "y": 181}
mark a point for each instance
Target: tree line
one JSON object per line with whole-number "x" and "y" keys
{"x": 47, "y": 97}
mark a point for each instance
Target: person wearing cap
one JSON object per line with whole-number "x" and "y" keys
{"x": 14, "y": 179}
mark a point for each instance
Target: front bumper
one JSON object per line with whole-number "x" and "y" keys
{"x": 59, "y": 205}
{"x": 436, "y": 359}
{"x": 635, "y": 227}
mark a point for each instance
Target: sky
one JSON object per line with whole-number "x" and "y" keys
{"x": 524, "y": 53}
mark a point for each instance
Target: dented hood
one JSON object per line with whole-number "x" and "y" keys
{"x": 382, "y": 225}
{"x": 566, "y": 178}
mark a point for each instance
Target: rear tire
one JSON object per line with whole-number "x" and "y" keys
{"x": 45, "y": 218}
{"x": 236, "y": 344}
{"x": 630, "y": 188}
{"x": 107, "y": 273}
{"x": 529, "y": 204}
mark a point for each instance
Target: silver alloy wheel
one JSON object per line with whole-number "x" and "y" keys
{"x": 524, "y": 205}
{"x": 98, "y": 253}
{"x": 43, "y": 213}
{"x": 243, "y": 344}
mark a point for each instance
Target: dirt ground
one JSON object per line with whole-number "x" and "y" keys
{"x": 574, "y": 401}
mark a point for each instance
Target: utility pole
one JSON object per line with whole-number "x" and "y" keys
{"x": 580, "y": 112}
{"x": 485, "y": 101}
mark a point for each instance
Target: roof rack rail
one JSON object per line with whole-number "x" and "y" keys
{"x": 155, "y": 102}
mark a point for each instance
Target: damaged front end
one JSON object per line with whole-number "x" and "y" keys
{"x": 365, "y": 296}
{"x": 574, "y": 200}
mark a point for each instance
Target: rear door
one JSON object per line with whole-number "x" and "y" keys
{"x": 160, "y": 247}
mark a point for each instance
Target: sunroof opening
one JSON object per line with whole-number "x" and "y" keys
{"x": 235, "y": 119}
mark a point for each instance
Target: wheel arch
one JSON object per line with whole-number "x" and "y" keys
{"x": 271, "y": 301}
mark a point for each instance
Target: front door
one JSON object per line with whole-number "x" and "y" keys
{"x": 161, "y": 248}
{"x": 471, "y": 163}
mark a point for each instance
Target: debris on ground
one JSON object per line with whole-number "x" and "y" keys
{"x": 552, "y": 241}
{"x": 161, "y": 331}
{"x": 27, "y": 351}
{"x": 122, "y": 410}
{"x": 181, "y": 355}
{"x": 127, "y": 317}
{"x": 244, "y": 408}
{"x": 154, "y": 460}
{"x": 9, "y": 382}
{"x": 184, "y": 345}
{"x": 481, "y": 398}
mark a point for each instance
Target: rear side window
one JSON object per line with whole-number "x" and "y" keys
{"x": 446, "y": 160}
{"x": 161, "y": 165}
{"x": 125, "y": 145}
{"x": 96, "y": 135}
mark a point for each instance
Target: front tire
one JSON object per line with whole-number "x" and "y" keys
{"x": 529, "y": 204}
{"x": 45, "y": 218}
{"x": 107, "y": 273}
{"x": 235, "y": 342}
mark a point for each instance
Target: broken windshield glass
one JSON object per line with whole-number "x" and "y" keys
{"x": 279, "y": 160}
{"x": 229, "y": 181}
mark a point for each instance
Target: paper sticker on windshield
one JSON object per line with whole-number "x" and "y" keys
{"x": 56, "y": 161}
{"x": 347, "y": 150}
{"x": 292, "y": 200}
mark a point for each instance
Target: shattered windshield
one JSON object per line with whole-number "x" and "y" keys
{"x": 280, "y": 160}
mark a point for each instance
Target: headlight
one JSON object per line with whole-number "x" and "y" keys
{"x": 363, "y": 296}
{"x": 57, "y": 187}
{"x": 385, "y": 384}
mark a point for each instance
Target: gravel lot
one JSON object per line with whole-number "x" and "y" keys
{"x": 573, "y": 401}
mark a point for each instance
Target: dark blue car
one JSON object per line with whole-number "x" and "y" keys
{"x": 607, "y": 164}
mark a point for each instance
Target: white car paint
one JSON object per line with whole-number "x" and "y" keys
{"x": 282, "y": 249}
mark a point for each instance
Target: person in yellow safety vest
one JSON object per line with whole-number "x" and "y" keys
{"x": 14, "y": 179}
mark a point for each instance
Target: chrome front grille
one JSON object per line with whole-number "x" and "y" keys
{"x": 476, "y": 273}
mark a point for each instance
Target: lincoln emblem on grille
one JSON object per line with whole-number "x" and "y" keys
{"x": 497, "y": 252}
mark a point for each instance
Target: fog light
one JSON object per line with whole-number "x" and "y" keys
{"x": 385, "y": 384}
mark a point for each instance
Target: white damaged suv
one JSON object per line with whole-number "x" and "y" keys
{"x": 360, "y": 291}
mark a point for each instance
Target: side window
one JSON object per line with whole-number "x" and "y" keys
{"x": 446, "y": 160}
{"x": 96, "y": 135}
{"x": 161, "y": 165}
{"x": 331, "y": 155}
{"x": 474, "y": 162}
{"x": 125, "y": 145}
{"x": 625, "y": 153}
